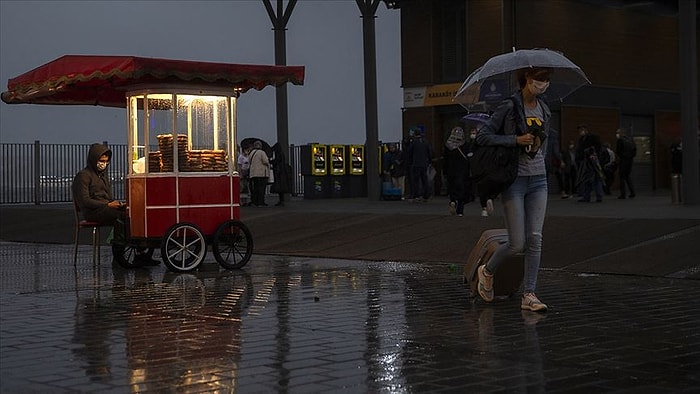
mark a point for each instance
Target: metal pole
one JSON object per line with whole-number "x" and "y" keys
{"x": 37, "y": 172}
{"x": 281, "y": 93}
{"x": 279, "y": 21}
{"x": 688, "y": 59}
{"x": 368, "y": 9}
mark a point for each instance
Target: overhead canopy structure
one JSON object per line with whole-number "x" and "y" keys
{"x": 104, "y": 80}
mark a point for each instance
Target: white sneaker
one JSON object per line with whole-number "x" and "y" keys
{"x": 485, "y": 286}
{"x": 484, "y": 213}
{"x": 453, "y": 208}
{"x": 532, "y": 303}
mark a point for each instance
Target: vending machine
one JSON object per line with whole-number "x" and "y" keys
{"x": 357, "y": 159}
{"x": 338, "y": 177}
{"x": 357, "y": 179}
{"x": 314, "y": 168}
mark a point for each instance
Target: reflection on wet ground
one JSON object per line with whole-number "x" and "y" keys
{"x": 318, "y": 325}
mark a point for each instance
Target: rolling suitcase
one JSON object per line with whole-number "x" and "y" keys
{"x": 508, "y": 278}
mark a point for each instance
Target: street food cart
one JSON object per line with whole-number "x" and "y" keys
{"x": 182, "y": 190}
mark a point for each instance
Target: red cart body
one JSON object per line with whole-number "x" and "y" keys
{"x": 156, "y": 203}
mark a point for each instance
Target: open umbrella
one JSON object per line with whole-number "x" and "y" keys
{"x": 476, "y": 118}
{"x": 497, "y": 79}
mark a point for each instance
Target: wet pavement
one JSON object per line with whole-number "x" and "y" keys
{"x": 296, "y": 323}
{"x": 303, "y": 325}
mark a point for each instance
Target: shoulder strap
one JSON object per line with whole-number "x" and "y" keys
{"x": 462, "y": 153}
{"x": 501, "y": 129}
{"x": 518, "y": 120}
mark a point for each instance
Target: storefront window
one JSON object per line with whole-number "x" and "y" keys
{"x": 645, "y": 150}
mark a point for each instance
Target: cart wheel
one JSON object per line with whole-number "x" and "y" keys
{"x": 233, "y": 244}
{"x": 125, "y": 256}
{"x": 183, "y": 247}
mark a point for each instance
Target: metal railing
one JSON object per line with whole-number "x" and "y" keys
{"x": 43, "y": 173}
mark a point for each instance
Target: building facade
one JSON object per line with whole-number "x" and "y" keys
{"x": 629, "y": 53}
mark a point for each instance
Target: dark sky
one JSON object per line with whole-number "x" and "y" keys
{"x": 323, "y": 36}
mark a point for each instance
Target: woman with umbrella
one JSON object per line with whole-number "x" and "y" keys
{"x": 521, "y": 121}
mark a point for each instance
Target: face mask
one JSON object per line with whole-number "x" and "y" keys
{"x": 538, "y": 87}
{"x": 472, "y": 136}
{"x": 101, "y": 166}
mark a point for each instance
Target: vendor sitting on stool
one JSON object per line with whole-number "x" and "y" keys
{"x": 92, "y": 192}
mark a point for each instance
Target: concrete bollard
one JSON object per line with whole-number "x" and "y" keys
{"x": 676, "y": 188}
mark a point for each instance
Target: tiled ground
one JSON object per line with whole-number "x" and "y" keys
{"x": 297, "y": 325}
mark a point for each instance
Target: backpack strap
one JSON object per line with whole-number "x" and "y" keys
{"x": 462, "y": 153}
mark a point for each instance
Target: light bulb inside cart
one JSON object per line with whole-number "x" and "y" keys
{"x": 188, "y": 100}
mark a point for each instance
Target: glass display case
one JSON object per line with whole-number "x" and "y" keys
{"x": 180, "y": 132}
{"x": 182, "y": 145}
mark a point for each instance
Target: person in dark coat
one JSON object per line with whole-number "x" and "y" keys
{"x": 456, "y": 169}
{"x": 92, "y": 193}
{"x": 420, "y": 155}
{"x": 282, "y": 173}
{"x": 554, "y": 162}
{"x": 626, "y": 150}
{"x": 394, "y": 167}
{"x": 92, "y": 188}
{"x": 570, "y": 169}
{"x": 590, "y": 175}
{"x": 408, "y": 178}
{"x": 677, "y": 157}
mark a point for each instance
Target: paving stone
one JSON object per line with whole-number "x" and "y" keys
{"x": 300, "y": 324}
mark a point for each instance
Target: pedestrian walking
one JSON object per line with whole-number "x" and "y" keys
{"x": 524, "y": 119}
{"x": 626, "y": 150}
{"x": 420, "y": 156}
{"x": 456, "y": 169}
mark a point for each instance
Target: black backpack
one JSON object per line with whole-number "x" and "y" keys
{"x": 494, "y": 168}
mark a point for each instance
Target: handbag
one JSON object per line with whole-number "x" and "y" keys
{"x": 271, "y": 177}
{"x": 494, "y": 167}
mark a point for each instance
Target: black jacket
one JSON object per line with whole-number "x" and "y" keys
{"x": 281, "y": 170}
{"x": 92, "y": 190}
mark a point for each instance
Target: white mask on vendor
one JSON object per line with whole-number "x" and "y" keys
{"x": 101, "y": 166}
{"x": 538, "y": 87}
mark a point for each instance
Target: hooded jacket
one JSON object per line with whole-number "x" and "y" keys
{"x": 92, "y": 190}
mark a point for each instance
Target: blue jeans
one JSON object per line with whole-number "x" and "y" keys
{"x": 595, "y": 185}
{"x": 524, "y": 205}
